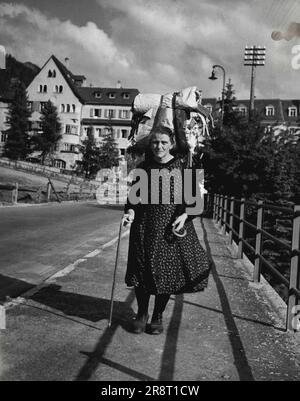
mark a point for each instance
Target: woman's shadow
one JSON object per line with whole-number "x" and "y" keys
{"x": 85, "y": 307}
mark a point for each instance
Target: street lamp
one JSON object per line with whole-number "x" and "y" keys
{"x": 214, "y": 77}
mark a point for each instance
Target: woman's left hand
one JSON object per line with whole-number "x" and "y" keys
{"x": 179, "y": 222}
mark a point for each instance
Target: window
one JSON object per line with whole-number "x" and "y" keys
{"x": 71, "y": 129}
{"x": 242, "y": 110}
{"x": 68, "y": 109}
{"x": 73, "y": 108}
{"x": 30, "y": 106}
{"x": 68, "y": 147}
{"x": 60, "y": 89}
{"x": 42, "y": 106}
{"x": 62, "y": 108}
{"x": 51, "y": 74}
{"x": 98, "y": 95}
{"x": 41, "y": 88}
{"x": 122, "y": 152}
{"x": 3, "y": 137}
{"x": 125, "y": 95}
{"x": 112, "y": 95}
{"x": 124, "y": 114}
{"x": 99, "y": 132}
{"x": 110, "y": 113}
{"x": 293, "y": 112}
{"x": 97, "y": 113}
{"x": 59, "y": 164}
{"x": 124, "y": 133}
{"x": 270, "y": 111}
{"x": 45, "y": 89}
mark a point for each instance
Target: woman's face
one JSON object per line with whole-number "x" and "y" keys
{"x": 160, "y": 146}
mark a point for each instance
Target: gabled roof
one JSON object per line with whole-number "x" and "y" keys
{"x": 68, "y": 76}
{"x": 88, "y": 94}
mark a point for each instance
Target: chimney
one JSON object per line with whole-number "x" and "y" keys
{"x": 119, "y": 85}
{"x": 67, "y": 63}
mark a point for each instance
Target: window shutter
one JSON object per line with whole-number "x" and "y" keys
{"x": 92, "y": 113}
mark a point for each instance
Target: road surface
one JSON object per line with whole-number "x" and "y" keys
{"x": 37, "y": 241}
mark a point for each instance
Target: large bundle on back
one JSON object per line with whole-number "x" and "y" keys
{"x": 181, "y": 111}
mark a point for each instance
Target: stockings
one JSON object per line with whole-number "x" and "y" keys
{"x": 143, "y": 298}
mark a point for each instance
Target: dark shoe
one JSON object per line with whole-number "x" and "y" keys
{"x": 156, "y": 325}
{"x": 139, "y": 324}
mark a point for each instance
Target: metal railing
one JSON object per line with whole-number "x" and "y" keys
{"x": 223, "y": 208}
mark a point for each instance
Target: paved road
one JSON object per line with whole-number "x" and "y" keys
{"x": 37, "y": 241}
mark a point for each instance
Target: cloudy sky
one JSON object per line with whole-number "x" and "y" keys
{"x": 158, "y": 45}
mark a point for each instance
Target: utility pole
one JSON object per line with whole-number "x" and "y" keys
{"x": 255, "y": 56}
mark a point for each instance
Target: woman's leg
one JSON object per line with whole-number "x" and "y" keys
{"x": 160, "y": 304}
{"x": 142, "y": 298}
{"x": 156, "y": 325}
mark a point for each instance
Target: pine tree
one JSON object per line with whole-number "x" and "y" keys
{"x": 90, "y": 162}
{"x": 109, "y": 154}
{"x": 17, "y": 146}
{"x": 51, "y": 127}
{"x": 231, "y": 117}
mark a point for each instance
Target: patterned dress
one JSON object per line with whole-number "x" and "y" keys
{"x": 158, "y": 261}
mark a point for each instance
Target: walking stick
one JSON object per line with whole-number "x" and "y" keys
{"x": 114, "y": 278}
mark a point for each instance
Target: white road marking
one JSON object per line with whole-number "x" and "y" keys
{"x": 61, "y": 273}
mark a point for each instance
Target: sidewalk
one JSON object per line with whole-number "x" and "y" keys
{"x": 229, "y": 332}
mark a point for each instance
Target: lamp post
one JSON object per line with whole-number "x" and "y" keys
{"x": 214, "y": 77}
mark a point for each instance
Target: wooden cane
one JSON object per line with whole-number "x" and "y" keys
{"x": 114, "y": 278}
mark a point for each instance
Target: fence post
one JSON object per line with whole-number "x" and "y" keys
{"x": 220, "y": 213}
{"x": 231, "y": 219}
{"x": 293, "y": 323}
{"x": 242, "y": 229}
{"x": 48, "y": 191}
{"x": 225, "y": 214}
{"x": 259, "y": 242}
{"x": 15, "y": 194}
{"x": 215, "y": 207}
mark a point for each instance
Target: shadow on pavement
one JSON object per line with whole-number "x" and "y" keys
{"x": 12, "y": 287}
{"x": 238, "y": 350}
{"x": 83, "y": 306}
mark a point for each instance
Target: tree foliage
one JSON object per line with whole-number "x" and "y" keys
{"x": 17, "y": 146}
{"x": 51, "y": 131}
{"x": 90, "y": 162}
{"x": 109, "y": 154}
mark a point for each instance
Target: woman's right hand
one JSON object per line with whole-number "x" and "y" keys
{"x": 128, "y": 217}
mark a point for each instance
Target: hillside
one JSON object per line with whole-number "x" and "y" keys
{"x": 25, "y": 72}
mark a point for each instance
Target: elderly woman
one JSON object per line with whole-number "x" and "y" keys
{"x": 161, "y": 263}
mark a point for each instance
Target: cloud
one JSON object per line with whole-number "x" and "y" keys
{"x": 158, "y": 46}
{"x": 31, "y": 35}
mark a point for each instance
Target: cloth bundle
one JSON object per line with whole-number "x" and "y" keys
{"x": 181, "y": 111}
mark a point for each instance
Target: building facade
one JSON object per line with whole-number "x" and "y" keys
{"x": 79, "y": 108}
